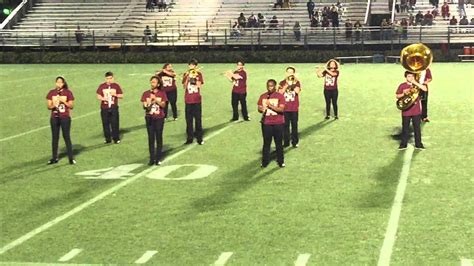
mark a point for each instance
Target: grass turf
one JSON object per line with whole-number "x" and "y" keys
{"x": 333, "y": 199}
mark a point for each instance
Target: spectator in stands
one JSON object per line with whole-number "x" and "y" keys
{"x": 464, "y": 24}
{"x": 241, "y": 20}
{"x": 412, "y": 4}
{"x": 339, "y": 5}
{"x": 453, "y": 23}
{"x": 348, "y": 26}
{"x": 404, "y": 25}
{"x": 314, "y": 22}
{"x": 411, "y": 20}
{"x": 79, "y": 35}
{"x": 325, "y": 23}
{"x": 278, "y": 3}
{"x": 286, "y": 4}
{"x": 297, "y": 31}
{"x": 404, "y": 6}
{"x": 358, "y": 29}
{"x": 334, "y": 16}
{"x": 419, "y": 18}
{"x": 428, "y": 19}
{"x": 397, "y": 29}
{"x": 445, "y": 11}
{"x": 384, "y": 29}
{"x": 149, "y": 6}
{"x": 261, "y": 20}
{"x": 252, "y": 21}
{"x": 472, "y": 22}
{"x": 235, "y": 32}
{"x": 310, "y": 6}
{"x": 161, "y": 5}
{"x": 273, "y": 23}
{"x": 147, "y": 36}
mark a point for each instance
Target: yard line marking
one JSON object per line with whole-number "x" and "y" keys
{"x": 392, "y": 227}
{"x": 467, "y": 262}
{"x": 146, "y": 256}
{"x": 223, "y": 258}
{"x": 44, "y": 127}
{"x": 99, "y": 197}
{"x": 302, "y": 259}
{"x": 71, "y": 254}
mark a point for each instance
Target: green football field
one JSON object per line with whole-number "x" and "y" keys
{"x": 346, "y": 197}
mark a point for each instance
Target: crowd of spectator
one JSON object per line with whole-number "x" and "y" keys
{"x": 160, "y": 5}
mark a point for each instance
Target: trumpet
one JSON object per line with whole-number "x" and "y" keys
{"x": 291, "y": 80}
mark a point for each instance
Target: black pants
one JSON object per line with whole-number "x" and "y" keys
{"x": 291, "y": 118}
{"x": 416, "y": 128}
{"x": 172, "y": 97}
{"x": 424, "y": 104}
{"x": 193, "y": 113}
{"x": 242, "y": 98}
{"x": 274, "y": 132}
{"x": 110, "y": 123}
{"x": 331, "y": 96}
{"x": 64, "y": 124}
{"x": 154, "y": 128}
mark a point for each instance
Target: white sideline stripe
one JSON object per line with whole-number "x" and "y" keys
{"x": 223, "y": 258}
{"x": 44, "y": 127}
{"x": 467, "y": 262}
{"x": 392, "y": 227}
{"x": 302, "y": 259}
{"x": 71, "y": 254}
{"x": 102, "y": 195}
{"x": 47, "y": 264}
{"x": 146, "y": 256}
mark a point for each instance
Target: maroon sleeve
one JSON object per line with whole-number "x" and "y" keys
{"x": 164, "y": 98}
{"x": 49, "y": 96}
{"x": 325, "y": 73}
{"x": 400, "y": 89}
{"x": 281, "y": 99}
{"x": 281, "y": 83}
{"x": 144, "y": 96}
{"x": 298, "y": 84}
{"x": 244, "y": 75}
{"x": 119, "y": 89}
{"x": 184, "y": 79}
{"x": 99, "y": 90}
{"x": 70, "y": 96}
{"x": 201, "y": 78}
{"x": 259, "y": 101}
{"x": 428, "y": 74}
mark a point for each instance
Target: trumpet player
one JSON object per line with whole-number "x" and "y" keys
{"x": 331, "y": 93}
{"x": 60, "y": 101}
{"x": 239, "y": 91}
{"x": 108, "y": 94}
{"x": 154, "y": 101}
{"x": 411, "y": 114}
{"x": 168, "y": 79}
{"x": 192, "y": 82}
{"x": 290, "y": 87}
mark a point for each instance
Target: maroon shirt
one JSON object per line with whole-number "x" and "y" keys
{"x": 169, "y": 82}
{"x": 192, "y": 93}
{"x": 62, "y": 111}
{"x": 240, "y": 85}
{"x": 415, "y": 109}
{"x": 427, "y": 76}
{"x": 104, "y": 90}
{"x": 291, "y": 98}
{"x": 330, "y": 82}
{"x": 156, "y": 111}
{"x": 272, "y": 117}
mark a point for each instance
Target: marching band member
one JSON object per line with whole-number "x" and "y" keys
{"x": 192, "y": 83}
{"x": 239, "y": 91}
{"x": 424, "y": 96}
{"x": 272, "y": 105}
{"x": 413, "y": 113}
{"x": 168, "y": 79}
{"x": 290, "y": 87}
{"x": 154, "y": 101}
{"x": 331, "y": 75}
{"x": 108, "y": 94}
{"x": 60, "y": 101}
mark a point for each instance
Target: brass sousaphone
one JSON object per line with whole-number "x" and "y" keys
{"x": 415, "y": 58}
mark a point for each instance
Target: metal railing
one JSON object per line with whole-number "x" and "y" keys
{"x": 18, "y": 13}
{"x": 244, "y": 37}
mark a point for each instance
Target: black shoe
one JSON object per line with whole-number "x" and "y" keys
{"x": 285, "y": 145}
{"x": 264, "y": 165}
{"x": 117, "y": 141}
{"x": 158, "y": 163}
{"x": 295, "y": 145}
{"x": 53, "y": 161}
{"x": 420, "y": 147}
{"x": 402, "y": 147}
{"x": 233, "y": 119}
{"x": 189, "y": 141}
{"x": 150, "y": 163}
{"x": 327, "y": 117}
{"x": 336, "y": 118}
{"x": 426, "y": 120}
{"x": 201, "y": 142}
{"x": 107, "y": 141}
{"x": 247, "y": 119}
{"x": 281, "y": 165}
{"x": 72, "y": 161}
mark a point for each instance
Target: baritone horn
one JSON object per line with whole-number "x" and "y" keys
{"x": 415, "y": 58}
